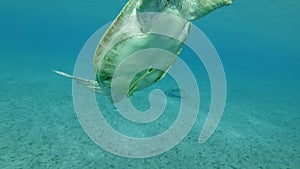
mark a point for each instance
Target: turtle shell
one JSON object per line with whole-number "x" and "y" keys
{"x": 130, "y": 33}
{"x": 141, "y": 25}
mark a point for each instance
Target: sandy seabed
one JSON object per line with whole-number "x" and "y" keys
{"x": 39, "y": 128}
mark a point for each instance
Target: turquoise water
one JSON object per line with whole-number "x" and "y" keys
{"x": 257, "y": 41}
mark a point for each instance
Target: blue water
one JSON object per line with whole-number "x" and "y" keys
{"x": 257, "y": 41}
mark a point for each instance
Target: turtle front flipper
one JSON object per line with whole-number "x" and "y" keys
{"x": 90, "y": 84}
{"x": 134, "y": 85}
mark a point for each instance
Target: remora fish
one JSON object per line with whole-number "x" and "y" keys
{"x": 132, "y": 31}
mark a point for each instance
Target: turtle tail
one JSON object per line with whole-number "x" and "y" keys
{"x": 90, "y": 84}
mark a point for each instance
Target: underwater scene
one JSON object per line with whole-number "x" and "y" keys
{"x": 230, "y": 100}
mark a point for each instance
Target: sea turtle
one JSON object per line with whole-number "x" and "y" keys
{"x": 133, "y": 31}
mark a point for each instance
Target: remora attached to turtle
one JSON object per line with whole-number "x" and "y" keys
{"x": 133, "y": 31}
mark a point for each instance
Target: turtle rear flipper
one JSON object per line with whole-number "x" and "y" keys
{"x": 90, "y": 84}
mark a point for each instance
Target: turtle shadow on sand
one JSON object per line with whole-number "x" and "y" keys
{"x": 176, "y": 93}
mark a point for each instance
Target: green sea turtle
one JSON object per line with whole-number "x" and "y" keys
{"x": 133, "y": 31}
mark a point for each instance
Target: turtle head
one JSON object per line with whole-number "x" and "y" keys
{"x": 195, "y": 9}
